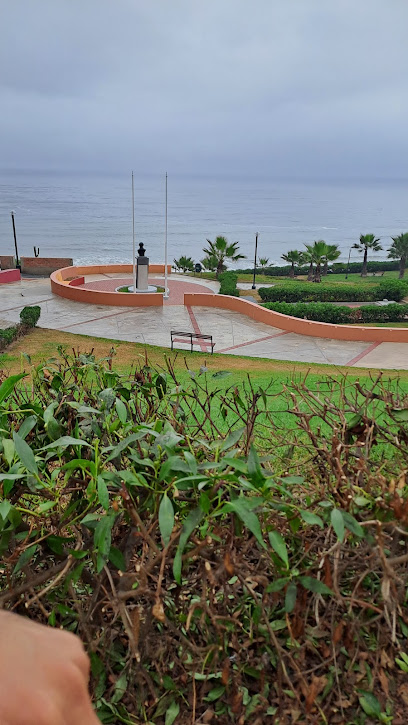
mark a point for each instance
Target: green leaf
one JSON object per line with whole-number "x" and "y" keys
{"x": 192, "y": 520}
{"x": 66, "y": 441}
{"x": 242, "y": 507}
{"x": 166, "y": 519}
{"x": 278, "y": 544}
{"x": 290, "y": 597}
{"x": 277, "y": 585}
{"x": 102, "y": 539}
{"x": 354, "y": 420}
{"x": 46, "y": 506}
{"x": 336, "y": 518}
{"x": 5, "y": 507}
{"x": 232, "y": 439}
{"x": 8, "y": 385}
{"x": 117, "y": 558}
{"x": 398, "y": 413}
{"x": 25, "y": 454}
{"x": 8, "y": 450}
{"x": 107, "y": 398}
{"x": 191, "y": 461}
{"x": 215, "y": 694}
{"x": 172, "y": 712}
{"x": 352, "y": 525}
{"x": 103, "y": 493}
{"x": 25, "y": 557}
{"x": 120, "y": 688}
{"x": 173, "y": 463}
{"x": 127, "y": 442}
{"x": 277, "y": 625}
{"x": 27, "y": 426}
{"x": 314, "y": 585}
{"x": 121, "y": 410}
{"x": 370, "y": 704}
{"x": 11, "y": 476}
{"x": 312, "y": 519}
{"x": 255, "y": 472}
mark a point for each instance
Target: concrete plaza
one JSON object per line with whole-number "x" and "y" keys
{"x": 233, "y": 333}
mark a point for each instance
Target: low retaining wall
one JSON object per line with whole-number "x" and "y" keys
{"x": 9, "y": 275}
{"x": 294, "y": 324}
{"x": 43, "y": 266}
{"x": 7, "y": 262}
{"x": 62, "y": 279}
{"x": 77, "y": 282}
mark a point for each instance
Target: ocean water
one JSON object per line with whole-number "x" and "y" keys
{"x": 89, "y": 217}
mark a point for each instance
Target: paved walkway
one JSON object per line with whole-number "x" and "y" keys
{"x": 233, "y": 333}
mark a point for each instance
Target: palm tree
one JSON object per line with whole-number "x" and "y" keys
{"x": 263, "y": 261}
{"x": 293, "y": 257}
{"x": 307, "y": 258}
{"x": 184, "y": 263}
{"x": 332, "y": 253}
{"x": 399, "y": 250}
{"x": 222, "y": 250}
{"x": 367, "y": 241}
{"x": 316, "y": 255}
{"x": 209, "y": 263}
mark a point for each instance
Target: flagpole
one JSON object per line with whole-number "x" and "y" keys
{"x": 166, "y": 291}
{"x": 133, "y": 234}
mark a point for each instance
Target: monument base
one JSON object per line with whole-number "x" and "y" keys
{"x": 150, "y": 288}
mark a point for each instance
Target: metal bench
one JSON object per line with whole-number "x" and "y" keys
{"x": 193, "y": 337}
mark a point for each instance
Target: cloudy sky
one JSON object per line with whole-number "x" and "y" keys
{"x": 293, "y": 88}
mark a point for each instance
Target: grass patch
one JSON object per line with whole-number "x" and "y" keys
{"x": 42, "y": 344}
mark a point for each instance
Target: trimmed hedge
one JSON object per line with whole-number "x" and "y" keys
{"x": 393, "y": 289}
{"x": 336, "y": 268}
{"x": 338, "y": 314}
{"x": 29, "y": 317}
{"x": 228, "y": 285}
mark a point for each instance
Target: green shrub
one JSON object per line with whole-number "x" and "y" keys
{"x": 338, "y": 314}
{"x": 393, "y": 289}
{"x": 30, "y": 315}
{"x": 318, "y": 311}
{"x": 191, "y": 527}
{"x": 307, "y": 292}
{"x": 228, "y": 284}
{"x": 8, "y": 335}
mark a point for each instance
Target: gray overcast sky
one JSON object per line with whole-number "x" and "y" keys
{"x": 312, "y": 88}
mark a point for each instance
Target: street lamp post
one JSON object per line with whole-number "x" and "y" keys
{"x": 256, "y": 250}
{"x": 133, "y": 235}
{"x": 15, "y": 240}
{"x": 166, "y": 289}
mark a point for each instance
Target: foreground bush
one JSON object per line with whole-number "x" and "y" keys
{"x": 339, "y": 314}
{"x": 212, "y": 579}
{"x": 392, "y": 289}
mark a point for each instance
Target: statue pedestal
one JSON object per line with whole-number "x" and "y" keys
{"x": 142, "y": 274}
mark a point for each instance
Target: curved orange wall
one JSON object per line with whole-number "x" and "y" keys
{"x": 60, "y": 286}
{"x": 294, "y": 324}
